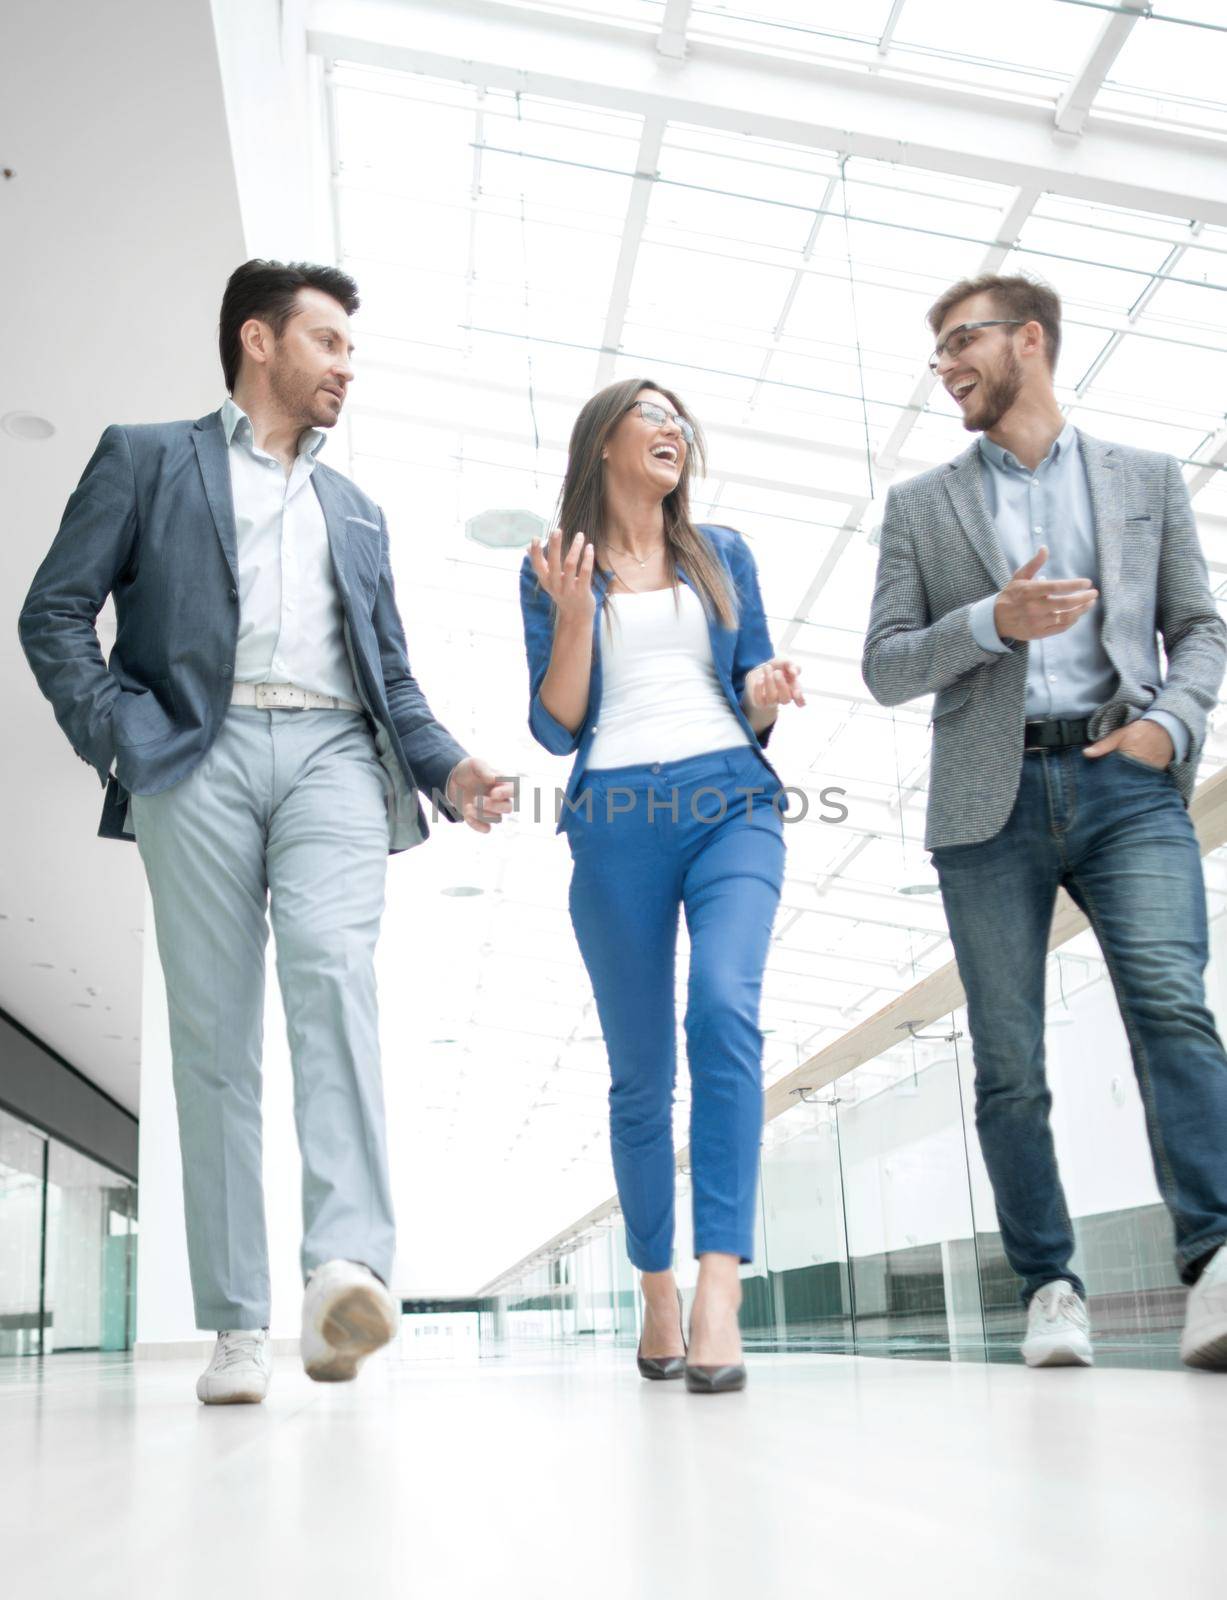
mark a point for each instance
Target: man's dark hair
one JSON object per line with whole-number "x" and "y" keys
{"x": 268, "y": 290}
{"x": 1025, "y": 298}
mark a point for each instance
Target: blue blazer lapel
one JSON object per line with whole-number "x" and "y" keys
{"x": 210, "y": 442}
{"x": 338, "y": 529}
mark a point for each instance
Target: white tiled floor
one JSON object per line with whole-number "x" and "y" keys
{"x": 566, "y": 1475}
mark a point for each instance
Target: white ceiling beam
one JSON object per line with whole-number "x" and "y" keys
{"x": 650, "y": 141}
{"x": 888, "y": 32}
{"x": 830, "y": 561}
{"x": 1074, "y": 106}
{"x": 429, "y": 380}
{"x": 1215, "y": 460}
{"x": 798, "y": 278}
{"x": 672, "y": 40}
{"x": 955, "y": 129}
{"x": 1013, "y": 218}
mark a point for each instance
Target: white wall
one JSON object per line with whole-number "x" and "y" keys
{"x": 272, "y": 90}
{"x": 118, "y": 233}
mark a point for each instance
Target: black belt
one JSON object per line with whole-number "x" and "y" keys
{"x": 1056, "y": 733}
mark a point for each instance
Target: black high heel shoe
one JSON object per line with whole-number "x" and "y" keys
{"x": 662, "y": 1367}
{"x": 725, "y": 1379}
{"x": 716, "y": 1380}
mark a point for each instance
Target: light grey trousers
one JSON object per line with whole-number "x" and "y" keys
{"x": 287, "y": 811}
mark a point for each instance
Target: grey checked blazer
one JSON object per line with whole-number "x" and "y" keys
{"x": 940, "y": 553}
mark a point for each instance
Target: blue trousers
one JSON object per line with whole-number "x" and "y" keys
{"x": 647, "y": 842}
{"x": 1116, "y": 834}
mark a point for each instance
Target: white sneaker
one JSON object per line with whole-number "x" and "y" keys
{"x": 1058, "y": 1329}
{"x": 239, "y": 1373}
{"x": 346, "y": 1314}
{"x": 1204, "y": 1340}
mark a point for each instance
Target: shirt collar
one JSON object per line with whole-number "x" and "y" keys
{"x": 236, "y": 421}
{"x": 1065, "y": 443}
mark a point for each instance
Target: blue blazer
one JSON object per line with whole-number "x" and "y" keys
{"x": 152, "y": 522}
{"x": 734, "y": 650}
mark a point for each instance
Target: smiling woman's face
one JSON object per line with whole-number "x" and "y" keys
{"x": 644, "y": 455}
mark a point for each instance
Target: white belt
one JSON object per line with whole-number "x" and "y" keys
{"x": 285, "y": 697}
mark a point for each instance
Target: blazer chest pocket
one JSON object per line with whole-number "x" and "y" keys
{"x": 950, "y": 698}
{"x": 365, "y": 552}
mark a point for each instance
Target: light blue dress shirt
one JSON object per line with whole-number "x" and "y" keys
{"x": 1069, "y": 674}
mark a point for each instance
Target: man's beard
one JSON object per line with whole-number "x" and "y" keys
{"x": 997, "y": 395}
{"x": 299, "y": 397}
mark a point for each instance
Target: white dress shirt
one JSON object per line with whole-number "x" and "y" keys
{"x": 660, "y": 697}
{"x": 291, "y": 627}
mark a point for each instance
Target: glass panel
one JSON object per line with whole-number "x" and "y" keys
{"x": 90, "y": 1271}
{"x": 87, "y": 1260}
{"x": 914, "y": 1283}
{"x": 21, "y": 1205}
{"x": 805, "y": 1232}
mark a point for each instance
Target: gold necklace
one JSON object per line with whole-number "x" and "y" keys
{"x": 631, "y": 556}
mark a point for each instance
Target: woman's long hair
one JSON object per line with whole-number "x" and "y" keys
{"x": 581, "y": 505}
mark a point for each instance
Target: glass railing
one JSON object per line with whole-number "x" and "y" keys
{"x": 876, "y": 1230}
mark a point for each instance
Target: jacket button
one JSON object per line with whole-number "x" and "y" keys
{"x": 225, "y": 671}
{"x": 234, "y": 594}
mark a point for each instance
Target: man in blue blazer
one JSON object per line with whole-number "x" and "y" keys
{"x": 261, "y": 736}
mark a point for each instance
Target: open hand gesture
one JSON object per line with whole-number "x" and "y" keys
{"x": 566, "y": 579}
{"x": 1039, "y": 608}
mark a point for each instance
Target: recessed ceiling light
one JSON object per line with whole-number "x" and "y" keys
{"x": 26, "y": 426}
{"x": 919, "y": 888}
{"x": 462, "y": 891}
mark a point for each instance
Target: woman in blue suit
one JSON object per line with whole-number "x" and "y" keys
{"x": 649, "y": 658}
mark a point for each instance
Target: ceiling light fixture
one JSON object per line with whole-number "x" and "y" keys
{"x": 462, "y": 891}
{"x": 26, "y": 426}
{"x": 505, "y": 530}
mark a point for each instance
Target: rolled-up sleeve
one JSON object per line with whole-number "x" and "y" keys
{"x": 753, "y": 645}
{"x": 537, "y": 611}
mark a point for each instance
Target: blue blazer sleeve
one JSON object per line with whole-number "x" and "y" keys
{"x": 95, "y": 542}
{"x": 538, "y": 613}
{"x": 753, "y": 644}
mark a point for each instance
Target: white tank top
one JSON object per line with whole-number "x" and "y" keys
{"x": 660, "y": 698}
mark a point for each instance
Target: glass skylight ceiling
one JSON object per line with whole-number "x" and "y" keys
{"x": 782, "y": 292}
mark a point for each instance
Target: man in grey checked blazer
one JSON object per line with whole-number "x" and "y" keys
{"x": 1022, "y": 586}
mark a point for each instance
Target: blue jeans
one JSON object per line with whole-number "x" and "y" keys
{"x": 642, "y": 851}
{"x": 1115, "y": 833}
